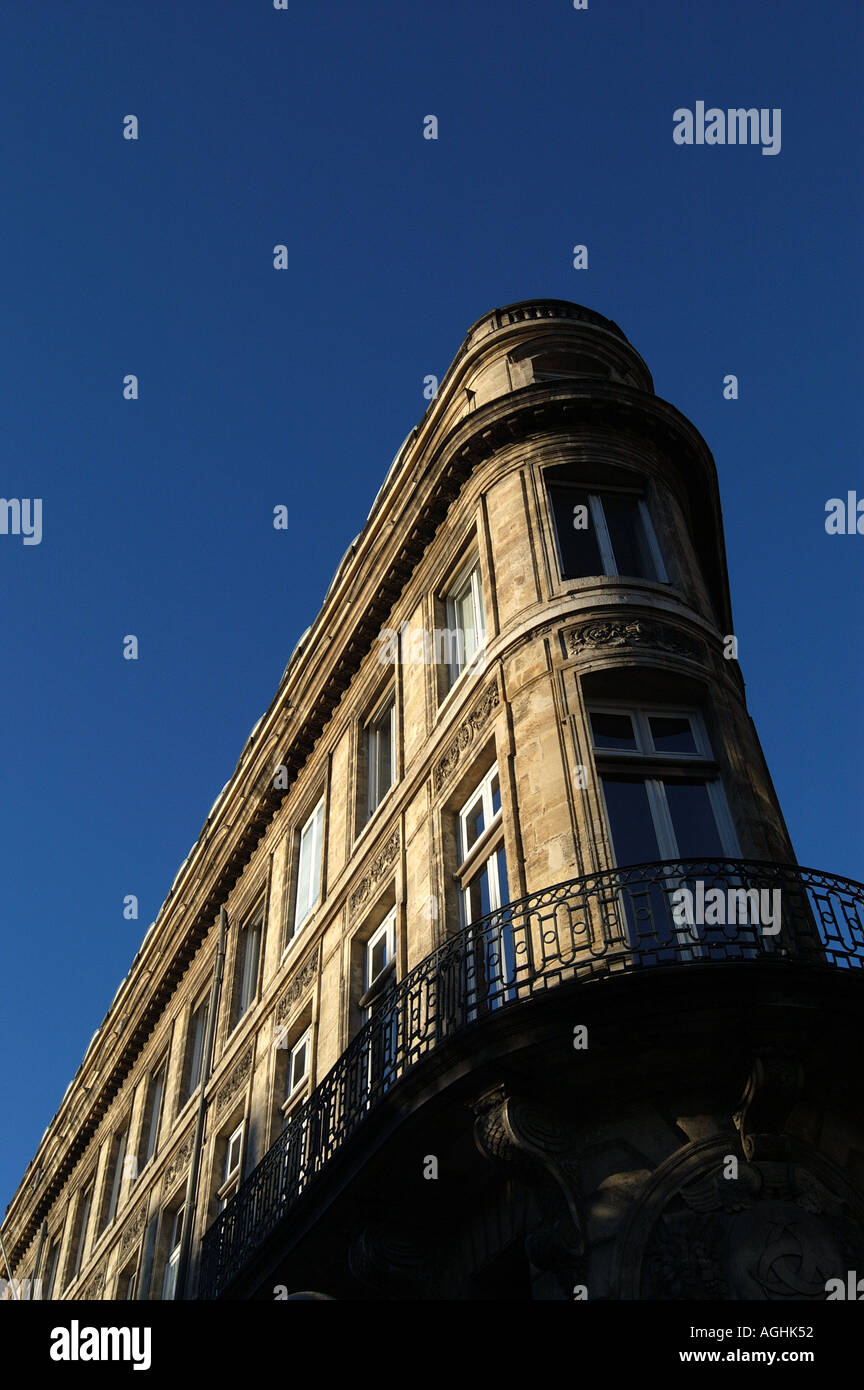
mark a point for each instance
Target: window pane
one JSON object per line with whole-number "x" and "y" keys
{"x": 464, "y": 609}
{"x": 478, "y": 899}
{"x": 196, "y": 1047}
{"x": 672, "y": 734}
{"x": 613, "y": 731}
{"x": 377, "y": 958}
{"x": 496, "y": 794}
{"x": 631, "y": 825}
{"x": 627, "y": 534}
{"x": 580, "y": 551}
{"x": 692, "y": 815}
{"x": 473, "y": 825}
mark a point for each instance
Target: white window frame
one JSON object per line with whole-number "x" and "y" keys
{"x": 483, "y": 791}
{"x": 467, "y": 578}
{"x": 311, "y": 833}
{"x": 294, "y": 1090}
{"x": 604, "y": 541}
{"x": 374, "y": 794}
{"x": 231, "y": 1176}
{"x": 169, "y": 1274}
{"x": 640, "y": 716}
{"x": 387, "y": 929}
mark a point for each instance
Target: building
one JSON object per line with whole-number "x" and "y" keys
{"x": 523, "y": 993}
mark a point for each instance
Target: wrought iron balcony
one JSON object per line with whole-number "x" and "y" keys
{"x": 620, "y": 920}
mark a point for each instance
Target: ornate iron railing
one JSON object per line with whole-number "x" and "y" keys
{"x": 619, "y": 920}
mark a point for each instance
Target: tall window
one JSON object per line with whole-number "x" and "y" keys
{"x": 377, "y": 1001}
{"x": 662, "y": 801}
{"x": 466, "y": 622}
{"x": 193, "y": 1059}
{"x": 119, "y": 1143}
{"x": 246, "y": 964}
{"x": 308, "y": 867}
{"x": 484, "y": 890}
{"x": 152, "y": 1115}
{"x": 380, "y": 755}
{"x": 50, "y": 1269}
{"x": 604, "y": 533}
{"x": 85, "y": 1204}
{"x": 172, "y": 1259}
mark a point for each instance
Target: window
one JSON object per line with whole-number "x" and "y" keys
{"x": 298, "y": 1071}
{"x": 465, "y": 636}
{"x": 308, "y": 867}
{"x": 604, "y": 533}
{"x": 230, "y": 1177}
{"x": 152, "y": 1115}
{"x": 380, "y": 755}
{"x": 655, "y": 814}
{"x": 377, "y": 1002}
{"x": 246, "y": 965}
{"x": 85, "y": 1203}
{"x": 484, "y": 892}
{"x": 193, "y": 1059}
{"x": 664, "y": 802}
{"x": 50, "y": 1270}
{"x": 127, "y": 1283}
{"x": 117, "y": 1173}
{"x": 172, "y": 1261}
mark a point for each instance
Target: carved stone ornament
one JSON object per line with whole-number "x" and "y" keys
{"x": 608, "y": 633}
{"x": 384, "y": 860}
{"x": 179, "y": 1161}
{"x": 236, "y": 1081}
{"x": 774, "y": 1231}
{"x": 298, "y": 986}
{"x": 133, "y": 1230}
{"x": 465, "y": 735}
{"x": 513, "y": 1131}
{"x": 95, "y": 1286}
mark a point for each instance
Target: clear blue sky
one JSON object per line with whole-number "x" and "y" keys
{"x": 261, "y": 387}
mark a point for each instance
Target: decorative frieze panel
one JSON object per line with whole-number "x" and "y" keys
{"x": 179, "y": 1161}
{"x": 379, "y": 866}
{"x": 613, "y": 633}
{"x": 466, "y": 734}
{"x": 132, "y": 1231}
{"x": 298, "y": 986}
{"x": 237, "y": 1078}
{"x": 95, "y": 1286}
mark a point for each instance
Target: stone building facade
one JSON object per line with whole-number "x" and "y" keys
{"x": 473, "y": 1039}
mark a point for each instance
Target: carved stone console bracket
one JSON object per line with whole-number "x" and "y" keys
{"x": 512, "y": 1131}
{"x": 773, "y": 1086}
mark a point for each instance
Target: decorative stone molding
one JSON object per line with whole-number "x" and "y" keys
{"x": 95, "y": 1286}
{"x": 236, "y": 1080}
{"x": 467, "y": 732}
{"x": 775, "y": 1083}
{"x": 179, "y": 1161}
{"x": 631, "y": 632}
{"x": 383, "y": 860}
{"x": 133, "y": 1230}
{"x": 304, "y": 977}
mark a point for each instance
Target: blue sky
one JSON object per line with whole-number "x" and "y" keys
{"x": 260, "y": 388}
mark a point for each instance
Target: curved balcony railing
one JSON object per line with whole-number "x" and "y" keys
{"x": 643, "y": 917}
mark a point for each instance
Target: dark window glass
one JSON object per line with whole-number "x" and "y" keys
{"x": 693, "y": 820}
{"x": 580, "y": 552}
{"x": 613, "y": 731}
{"x": 672, "y": 734}
{"x": 627, "y": 534}
{"x": 632, "y": 828}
